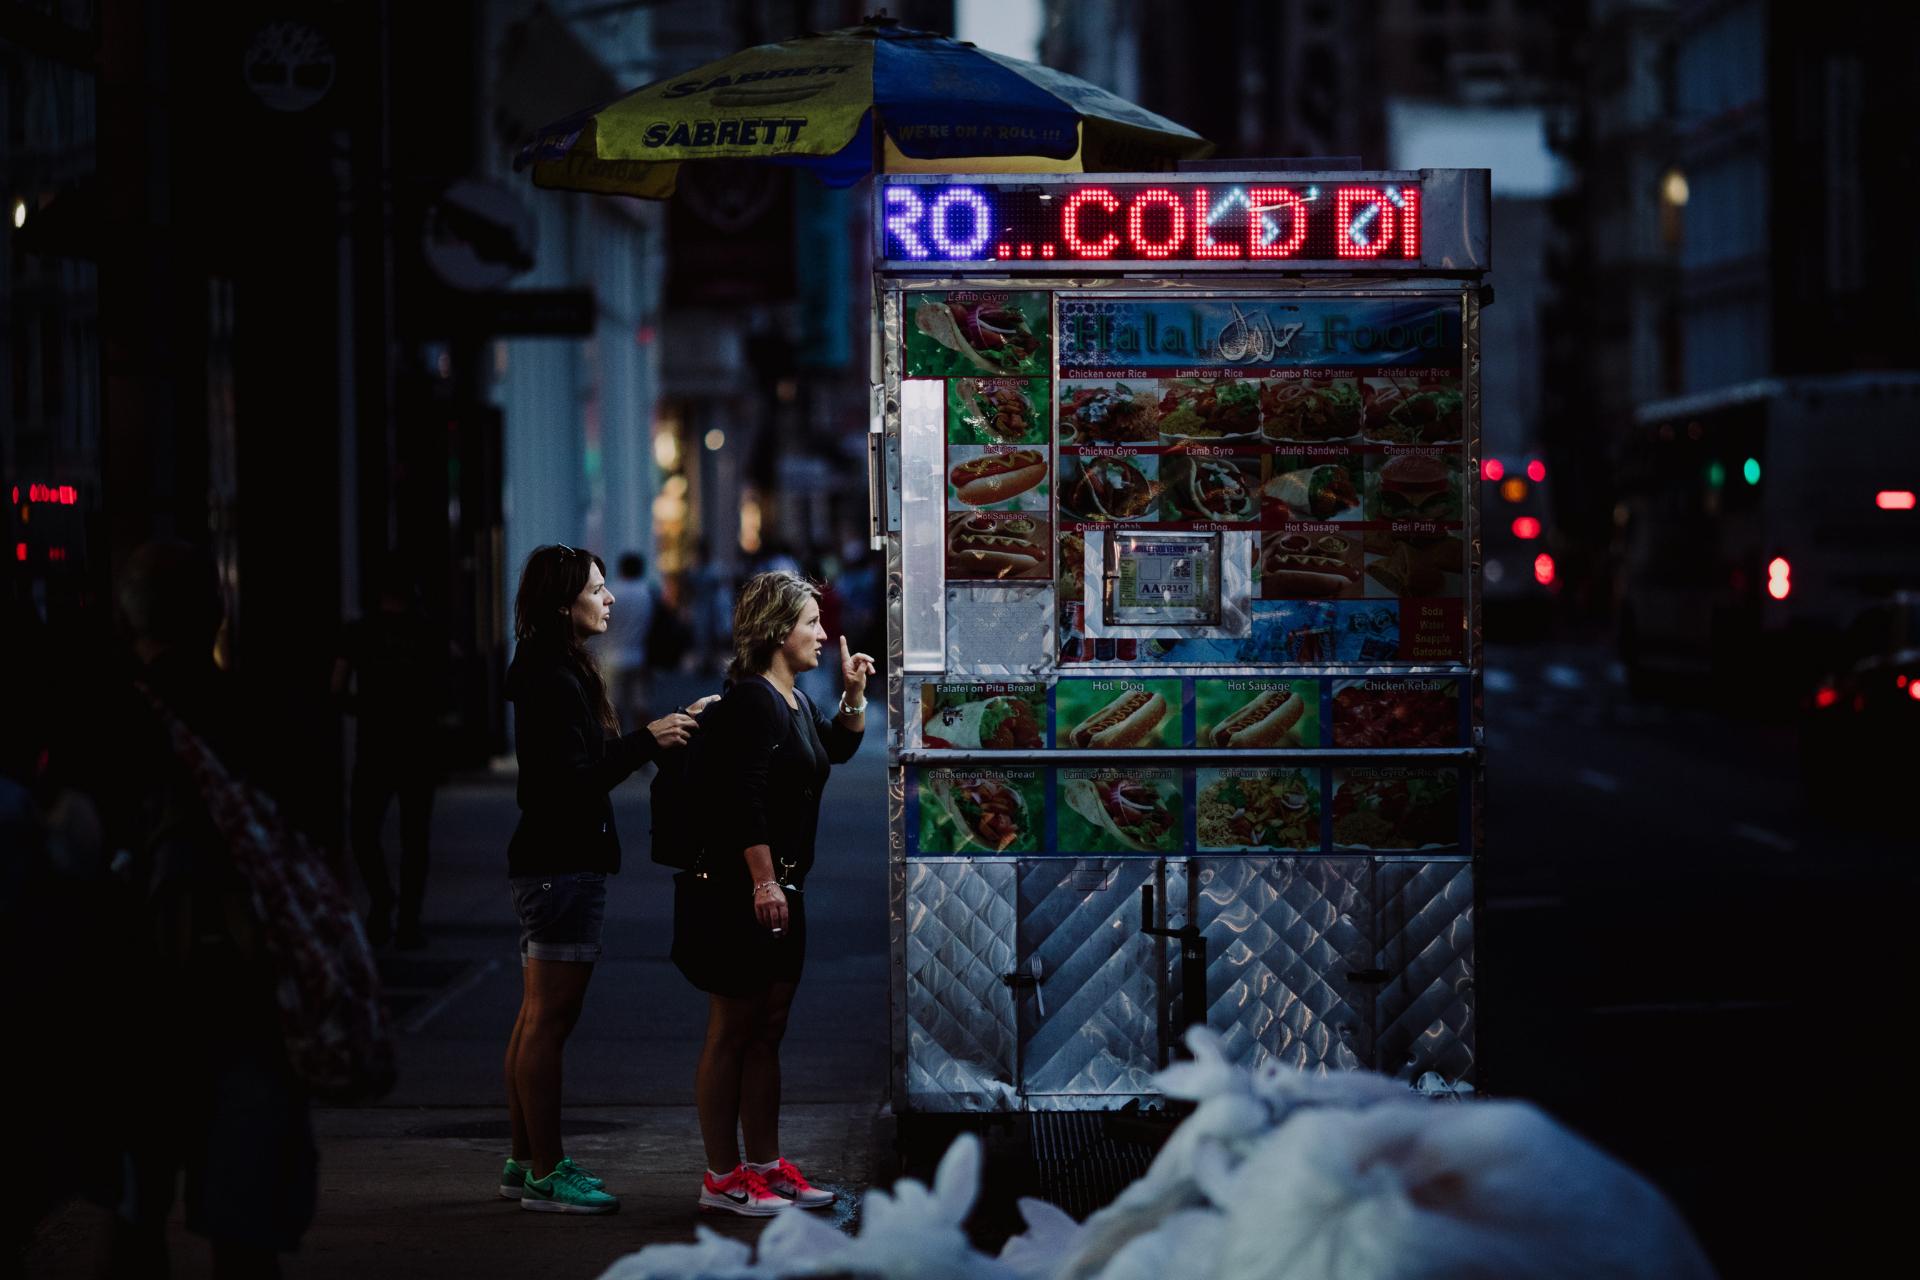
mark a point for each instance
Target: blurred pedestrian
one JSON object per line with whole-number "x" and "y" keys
{"x": 207, "y": 1067}
{"x": 391, "y": 674}
{"x": 739, "y": 923}
{"x": 623, "y": 654}
{"x": 571, "y": 755}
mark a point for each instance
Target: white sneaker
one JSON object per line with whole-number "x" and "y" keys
{"x": 785, "y": 1180}
{"x": 743, "y": 1191}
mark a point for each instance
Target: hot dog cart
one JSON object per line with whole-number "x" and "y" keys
{"x": 1175, "y": 475}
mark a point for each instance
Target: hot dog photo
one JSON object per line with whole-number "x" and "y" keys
{"x": 993, "y": 545}
{"x": 1116, "y": 714}
{"x": 982, "y": 477}
{"x": 1309, "y": 564}
{"x": 1254, "y": 713}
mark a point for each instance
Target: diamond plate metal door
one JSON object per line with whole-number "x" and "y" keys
{"x": 1091, "y": 1014}
{"x": 1283, "y": 934}
{"x": 961, "y": 1041}
{"x": 1424, "y": 1014}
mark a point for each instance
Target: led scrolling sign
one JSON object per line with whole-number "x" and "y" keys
{"x": 1350, "y": 223}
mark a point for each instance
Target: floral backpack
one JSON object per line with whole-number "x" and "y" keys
{"x": 338, "y": 1033}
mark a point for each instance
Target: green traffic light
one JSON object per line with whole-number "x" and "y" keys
{"x": 1716, "y": 474}
{"x": 1750, "y": 471}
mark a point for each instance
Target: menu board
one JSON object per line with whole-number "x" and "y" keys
{"x": 994, "y": 353}
{"x": 1331, "y": 431}
{"x": 1162, "y": 809}
{"x": 983, "y": 717}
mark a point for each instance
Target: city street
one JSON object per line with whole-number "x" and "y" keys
{"x": 1662, "y": 921}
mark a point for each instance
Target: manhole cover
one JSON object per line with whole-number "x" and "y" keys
{"x": 499, "y": 1131}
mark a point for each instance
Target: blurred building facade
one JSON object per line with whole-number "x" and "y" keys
{"x": 272, "y": 285}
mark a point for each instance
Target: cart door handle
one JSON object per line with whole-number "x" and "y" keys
{"x": 1032, "y": 979}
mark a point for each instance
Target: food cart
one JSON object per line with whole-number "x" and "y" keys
{"x": 1175, "y": 478}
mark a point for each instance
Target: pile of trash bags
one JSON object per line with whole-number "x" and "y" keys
{"x": 1279, "y": 1174}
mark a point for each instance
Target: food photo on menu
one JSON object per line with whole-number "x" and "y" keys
{"x": 1371, "y": 714}
{"x": 971, "y": 333}
{"x": 1410, "y": 564}
{"x": 1254, "y": 713}
{"x": 984, "y": 717}
{"x": 1110, "y": 413}
{"x": 1299, "y": 488}
{"x": 1245, "y": 809}
{"x": 1414, "y": 486}
{"x": 984, "y": 477}
{"x": 1403, "y": 409}
{"x": 1209, "y": 411}
{"x": 1311, "y": 410}
{"x": 1206, "y": 489}
{"x": 997, "y": 410}
{"x": 997, "y": 545}
{"x": 1113, "y": 811}
{"x": 982, "y": 810}
{"x": 1110, "y": 714}
{"x": 1299, "y": 565}
{"x": 1396, "y": 808}
{"x": 1110, "y": 488}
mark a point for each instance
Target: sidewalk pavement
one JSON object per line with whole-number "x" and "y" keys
{"x": 407, "y": 1187}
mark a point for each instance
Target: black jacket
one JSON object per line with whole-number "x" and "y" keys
{"x": 770, "y": 765}
{"x": 568, "y": 764}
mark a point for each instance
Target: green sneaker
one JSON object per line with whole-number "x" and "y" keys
{"x": 513, "y": 1179}
{"x": 565, "y": 1191}
{"x": 593, "y": 1180}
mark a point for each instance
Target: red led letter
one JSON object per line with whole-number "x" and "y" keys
{"x": 1204, "y": 245}
{"x": 1137, "y": 223}
{"x": 1070, "y": 223}
{"x": 1347, "y": 201}
{"x": 1286, "y": 202}
{"x": 1410, "y": 222}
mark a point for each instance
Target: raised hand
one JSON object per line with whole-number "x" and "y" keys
{"x": 854, "y": 670}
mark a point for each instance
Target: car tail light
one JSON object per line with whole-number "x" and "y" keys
{"x": 1779, "y": 578}
{"x": 1894, "y": 500}
{"x": 1526, "y": 528}
{"x": 1543, "y": 569}
{"x": 1826, "y": 696}
{"x": 1913, "y": 690}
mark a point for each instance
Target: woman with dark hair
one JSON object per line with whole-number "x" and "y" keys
{"x": 740, "y": 927}
{"x": 571, "y": 755}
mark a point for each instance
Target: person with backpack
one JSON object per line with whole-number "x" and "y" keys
{"x": 571, "y": 755}
{"x": 739, "y": 917}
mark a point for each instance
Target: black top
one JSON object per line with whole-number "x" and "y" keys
{"x": 568, "y": 764}
{"x": 769, "y": 766}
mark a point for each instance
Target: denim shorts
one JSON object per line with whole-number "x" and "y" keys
{"x": 560, "y": 915}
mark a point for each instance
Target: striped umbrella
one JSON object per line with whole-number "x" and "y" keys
{"x": 844, "y": 103}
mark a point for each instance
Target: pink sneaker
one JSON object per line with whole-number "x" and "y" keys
{"x": 785, "y": 1180}
{"x": 743, "y": 1191}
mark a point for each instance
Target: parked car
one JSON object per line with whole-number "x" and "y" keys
{"x": 1861, "y": 720}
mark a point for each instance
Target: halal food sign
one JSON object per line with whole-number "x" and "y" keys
{"x": 1252, "y": 223}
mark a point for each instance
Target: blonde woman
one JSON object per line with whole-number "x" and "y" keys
{"x": 740, "y": 930}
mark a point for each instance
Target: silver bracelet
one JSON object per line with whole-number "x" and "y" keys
{"x": 846, "y": 710}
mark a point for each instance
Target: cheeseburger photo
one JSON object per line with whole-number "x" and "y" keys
{"x": 1415, "y": 486}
